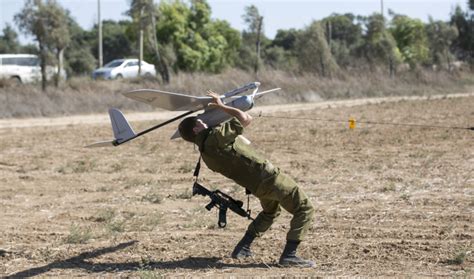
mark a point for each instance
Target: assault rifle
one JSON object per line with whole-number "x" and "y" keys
{"x": 222, "y": 202}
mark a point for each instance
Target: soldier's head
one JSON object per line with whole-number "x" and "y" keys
{"x": 190, "y": 127}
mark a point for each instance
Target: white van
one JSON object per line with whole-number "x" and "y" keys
{"x": 24, "y": 68}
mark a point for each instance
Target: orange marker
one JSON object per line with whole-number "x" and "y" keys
{"x": 352, "y": 123}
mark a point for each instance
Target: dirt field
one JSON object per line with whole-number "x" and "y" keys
{"x": 390, "y": 200}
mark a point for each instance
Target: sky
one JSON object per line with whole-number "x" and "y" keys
{"x": 278, "y": 14}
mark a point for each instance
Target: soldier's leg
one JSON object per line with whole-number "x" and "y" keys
{"x": 263, "y": 221}
{"x": 270, "y": 210}
{"x": 294, "y": 200}
{"x": 283, "y": 190}
{"x": 297, "y": 203}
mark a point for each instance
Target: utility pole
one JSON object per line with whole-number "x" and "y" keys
{"x": 100, "y": 35}
{"x": 381, "y": 8}
{"x": 140, "y": 56}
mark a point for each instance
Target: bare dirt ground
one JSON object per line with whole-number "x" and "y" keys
{"x": 390, "y": 200}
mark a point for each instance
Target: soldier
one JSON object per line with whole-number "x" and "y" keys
{"x": 225, "y": 151}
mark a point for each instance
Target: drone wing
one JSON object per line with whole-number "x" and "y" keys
{"x": 168, "y": 100}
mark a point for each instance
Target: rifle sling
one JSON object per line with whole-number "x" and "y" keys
{"x": 197, "y": 168}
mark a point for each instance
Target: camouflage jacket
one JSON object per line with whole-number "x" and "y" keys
{"x": 225, "y": 152}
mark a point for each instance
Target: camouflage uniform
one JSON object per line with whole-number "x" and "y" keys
{"x": 224, "y": 152}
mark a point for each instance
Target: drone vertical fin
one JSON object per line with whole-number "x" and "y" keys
{"x": 122, "y": 129}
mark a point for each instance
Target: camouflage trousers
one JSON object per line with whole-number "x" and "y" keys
{"x": 280, "y": 191}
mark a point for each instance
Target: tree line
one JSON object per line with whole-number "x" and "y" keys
{"x": 180, "y": 35}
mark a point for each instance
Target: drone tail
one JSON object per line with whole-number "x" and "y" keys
{"x": 121, "y": 128}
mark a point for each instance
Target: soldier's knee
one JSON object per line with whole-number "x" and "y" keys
{"x": 309, "y": 209}
{"x": 304, "y": 205}
{"x": 297, "y": 203}
{"x": 272, "y": 215}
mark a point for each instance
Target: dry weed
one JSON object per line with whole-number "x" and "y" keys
{"x": 82, "y": 95}
{"x": 78, "y": 235}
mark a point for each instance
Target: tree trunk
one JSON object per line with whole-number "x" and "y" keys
{"x": 60, "y": 57}
{"x": 448, "y": 61}
{"x": 391, "y": 67}
{"x": 259, "y": 32}
{"x": 43, "y": 65}
{"x": 470, "y": 58}
{"x": 329, "y": 33}
{"x": 162, "y": 67}
{"x": 323, "y": 68}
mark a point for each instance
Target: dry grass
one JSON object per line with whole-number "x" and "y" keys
{"x": 84, "y": 96}
{"x": 390, "y": 201}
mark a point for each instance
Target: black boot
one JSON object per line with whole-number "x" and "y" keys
{"x": 242, "y": 250}
{"x": 289, "y": 258}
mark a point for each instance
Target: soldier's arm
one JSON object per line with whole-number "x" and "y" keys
{"x": 242, "y": 116}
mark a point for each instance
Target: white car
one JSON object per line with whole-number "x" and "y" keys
{"x": 123, "y": 68}
{"x": 24, "y": 68}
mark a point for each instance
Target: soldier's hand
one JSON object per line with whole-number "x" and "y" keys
{"x": 216, "y": 100}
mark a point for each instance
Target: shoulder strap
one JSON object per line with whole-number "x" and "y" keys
{"x": 197, "y": 168}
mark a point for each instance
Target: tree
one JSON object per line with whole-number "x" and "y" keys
{"x": 379, "y": 46}
{"x": 463, "y": 45}
{"x": 9, "y": 40}
{"x": 411, "y": 39}
{"x": 199, "y": 43}
{"x": 277, "y": 57}
{"x": 281, "y": 53}
{"x": 171, "y": 30}
{"x": 215, "y": 39}
{"x": 440, "y": 37}
{"x": 143, "y": 13}
{"x": 79, "y": 58}
{"x": 286, "y": 39}
{"x": 29, "y": 48}
{"x": 232, "y": 39}
{"x": 200, "y": 15}
{"x": 47, "y": 22}
{"x": 116, "y": 43}
{"x": 314, "y": 54}
{"x": 58, "y": 36}
{"x": 344, "y": 35}
{"x": 33, "y": 19}
{"x": 254, "y": 22}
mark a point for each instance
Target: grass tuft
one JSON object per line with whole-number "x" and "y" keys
{"x": 186, "y": 168}
{"x": 458, "y": 259}
{"x": 153, "y": 197}
{"x": 148, "y": 274}
{"x": 117, "y": 226}
{"x": 185, "y": 195}
{"x": 78, "y": 235}
{"x": 79, "y": 166}
{"x": 105, "y": 215}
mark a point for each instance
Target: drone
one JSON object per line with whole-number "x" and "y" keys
{"x": 123, "y": 132}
